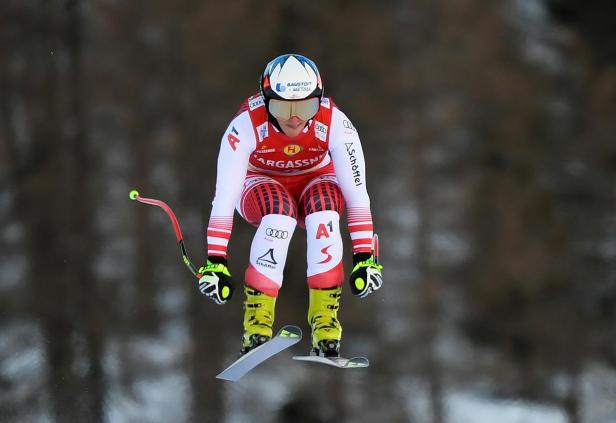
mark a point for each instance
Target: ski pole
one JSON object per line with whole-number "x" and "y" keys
{"x": 134, "y": 195}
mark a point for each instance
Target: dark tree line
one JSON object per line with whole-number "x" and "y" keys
{"x": 488, "y": 132}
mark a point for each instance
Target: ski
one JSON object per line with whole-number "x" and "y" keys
{"x": 287, "y": 336}
{"x": 340, "y": 362}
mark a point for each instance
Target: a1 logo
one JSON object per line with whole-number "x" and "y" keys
{"x": 233, "y": 139}
{"x": 322, "y": 230}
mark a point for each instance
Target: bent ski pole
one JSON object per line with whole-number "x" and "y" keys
{"x": 134, "y": 195}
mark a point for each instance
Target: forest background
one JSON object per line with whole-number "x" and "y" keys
{"x": 489, "y": 134}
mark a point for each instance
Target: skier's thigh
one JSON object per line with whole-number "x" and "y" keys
{"x": 263, "y": 196}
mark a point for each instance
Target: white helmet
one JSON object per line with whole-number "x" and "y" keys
{"x": 291, "y": 77}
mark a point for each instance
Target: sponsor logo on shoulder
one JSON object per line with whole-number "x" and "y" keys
{"x": 320, "y": 131}
{"x": 262, "y": 131}
{"x": 255, "y": 102}
{"x": 233, "y": 138}
{"x": 348, "y": 125}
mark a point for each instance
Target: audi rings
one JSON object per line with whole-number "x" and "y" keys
{"x": 276, "y": 233}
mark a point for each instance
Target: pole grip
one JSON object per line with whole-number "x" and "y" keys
{"x": 375, "y": 247}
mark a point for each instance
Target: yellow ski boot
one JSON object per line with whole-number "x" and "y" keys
{"x": 323, "y": 319}
{"x": 258, "y": 319}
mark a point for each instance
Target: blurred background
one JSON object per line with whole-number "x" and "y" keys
{"x": 489, "y": 131}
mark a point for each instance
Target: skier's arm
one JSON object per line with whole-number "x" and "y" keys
{"x": 237, "y": 143}
{"x": 348, "y": 158}
{"x": 236, "y": 146}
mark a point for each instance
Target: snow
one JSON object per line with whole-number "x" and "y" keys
{"x": 468, "y": 408}
{"x": 598, "y": 394}
{"x": 161, "y": 389}
{"x": 162, "y": 399}
{"x": 22, "y": 370}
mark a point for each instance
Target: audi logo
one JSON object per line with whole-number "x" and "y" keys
{"x": 276, "y": 233}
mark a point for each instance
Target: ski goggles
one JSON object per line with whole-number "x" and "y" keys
{"x": 303, "y": 109}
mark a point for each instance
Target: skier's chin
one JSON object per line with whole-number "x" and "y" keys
{"x": 292, "y": 127}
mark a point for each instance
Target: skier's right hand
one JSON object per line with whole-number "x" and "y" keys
{"x": 215, "y": 281}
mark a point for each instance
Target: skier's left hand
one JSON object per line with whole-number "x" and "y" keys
{"x": 366, "y": 276}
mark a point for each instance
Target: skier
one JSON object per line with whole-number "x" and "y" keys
{"x": 291, "y": 158}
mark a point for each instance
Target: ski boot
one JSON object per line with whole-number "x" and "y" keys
{"x": 323, "y": 319}
{"x": 258, "y": 319}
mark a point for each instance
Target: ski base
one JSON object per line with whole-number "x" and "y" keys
{"x": 287, "y": 336}
{"x": 340, "y": 362}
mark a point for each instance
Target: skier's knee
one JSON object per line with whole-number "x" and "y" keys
{"x": 267, "y": 199}
{"x": 321, "y": 196}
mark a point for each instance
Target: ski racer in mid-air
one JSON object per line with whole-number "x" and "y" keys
{"x": 291, "y": 158}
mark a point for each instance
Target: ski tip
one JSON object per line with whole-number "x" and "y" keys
{"x": 133, "y": 194}
{"x": 339, "y": 362}
{"x": 358, "y": 362}
{"x": 290, "y": 331}
{"x": 222, "y": 376}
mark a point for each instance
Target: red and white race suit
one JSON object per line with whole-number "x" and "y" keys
{"x": 254, "y": 156}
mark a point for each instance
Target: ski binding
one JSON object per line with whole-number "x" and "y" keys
{"x": 340, "y": 362}
{"x": 287, "y": 336}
